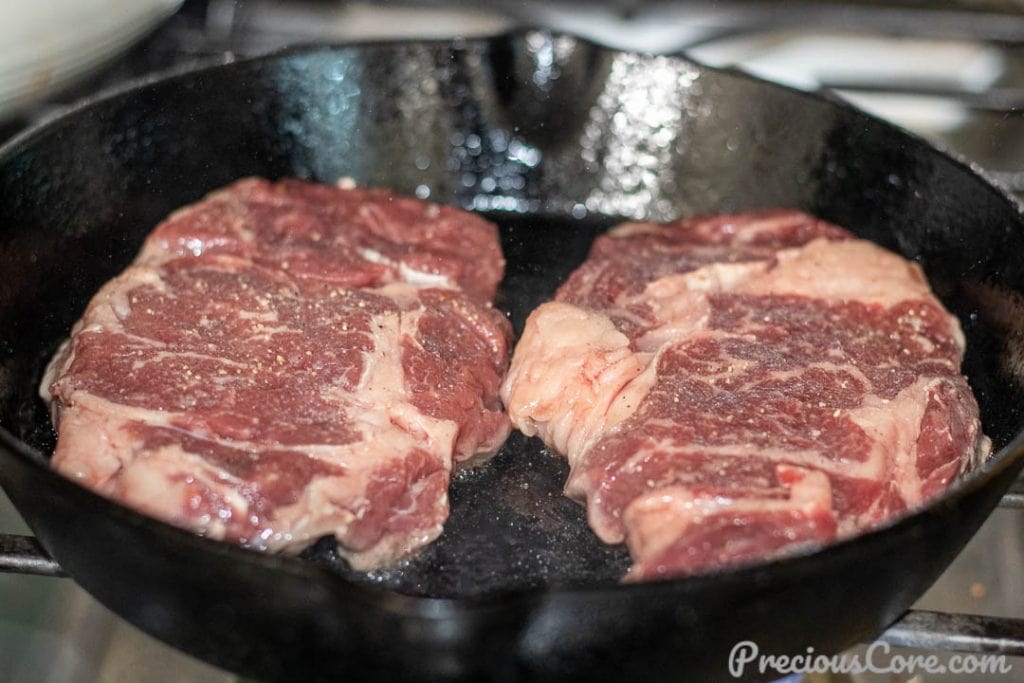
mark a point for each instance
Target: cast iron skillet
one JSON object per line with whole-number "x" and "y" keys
{"x": 556, "y": 138}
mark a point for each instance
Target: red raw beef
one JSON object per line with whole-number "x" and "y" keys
{"x": 289, "y": 360}
{"x": 732, "y": 388}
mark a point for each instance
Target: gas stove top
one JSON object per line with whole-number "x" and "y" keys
{"x": 954, "y": 75}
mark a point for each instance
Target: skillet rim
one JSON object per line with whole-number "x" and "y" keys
{"x": 442, "y": 608}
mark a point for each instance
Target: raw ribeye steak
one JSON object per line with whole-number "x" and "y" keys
{"x": 286, "y": 361}
{"x": 734, "y": 388}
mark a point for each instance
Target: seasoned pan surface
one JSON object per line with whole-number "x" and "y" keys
{"x": 555, "y": 139}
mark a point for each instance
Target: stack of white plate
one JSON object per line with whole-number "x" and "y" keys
{"x": 47, "y": 44}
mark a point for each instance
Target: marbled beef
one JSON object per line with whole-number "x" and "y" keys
{"x": 734, "y": 388}
{"x": 288, "y": 360}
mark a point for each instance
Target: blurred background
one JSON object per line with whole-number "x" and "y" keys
{"x": 950, "y": 71}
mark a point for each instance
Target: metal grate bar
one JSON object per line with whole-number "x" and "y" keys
{"x": 957, "y": 632}
{"x": 24, "y": 555}
{"x": 1014, "y": 498}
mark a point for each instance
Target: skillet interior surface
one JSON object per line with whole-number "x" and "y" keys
{"x": 555, "y": 139}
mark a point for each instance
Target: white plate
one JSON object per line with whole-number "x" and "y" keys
{"x": 47, "y": 44}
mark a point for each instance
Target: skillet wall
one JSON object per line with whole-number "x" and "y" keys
{"x": 532, "y": 123}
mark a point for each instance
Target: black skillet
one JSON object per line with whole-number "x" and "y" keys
{"x": 556, "y": 139}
